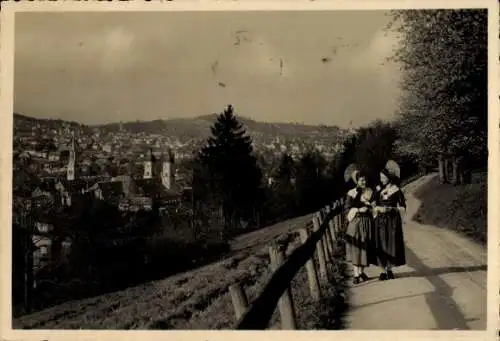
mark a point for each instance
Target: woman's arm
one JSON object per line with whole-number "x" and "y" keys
{"x": 401, "y": 202}
{"x": 351, "y": 205}
{"x": 349, "y": 202}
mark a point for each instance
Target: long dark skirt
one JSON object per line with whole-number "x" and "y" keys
{"x": 358, "y": 240}
{"x": 389, "y": 240}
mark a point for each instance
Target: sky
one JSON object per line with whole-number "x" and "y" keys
{"x": 310, "y": 67}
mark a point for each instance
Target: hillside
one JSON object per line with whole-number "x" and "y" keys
{"x": 460, "y": 208}
{"x": 193, "y": 128}
{"x": 26, "y": 123}
{"x": 196, "y": 299}
{"x": 199, "y": 127}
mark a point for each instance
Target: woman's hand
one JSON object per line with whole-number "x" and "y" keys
{"x": 381, "y": 209}
{"x": 363, "y": 209}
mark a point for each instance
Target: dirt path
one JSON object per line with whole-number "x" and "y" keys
{"x": 442, "y": 287}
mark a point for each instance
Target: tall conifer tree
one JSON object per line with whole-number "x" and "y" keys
{"x": 233, "y": 175}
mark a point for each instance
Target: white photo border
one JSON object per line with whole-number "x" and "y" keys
{"x": 7, "y": 18}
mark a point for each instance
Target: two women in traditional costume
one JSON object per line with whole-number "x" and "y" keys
{"x": 374, "y": 234}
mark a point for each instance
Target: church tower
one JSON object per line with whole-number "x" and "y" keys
{"x": 70, "y": 172}
{"x": 168, "y": 171}
{"x": 148, "y": 165}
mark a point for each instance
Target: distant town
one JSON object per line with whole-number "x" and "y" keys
{"x": 134, "y": 165}
{"x": 122, "y": 148}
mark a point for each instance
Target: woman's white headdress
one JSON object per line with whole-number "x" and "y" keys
{"x": 351, "y": 172}
{"x": 393, "y": 168}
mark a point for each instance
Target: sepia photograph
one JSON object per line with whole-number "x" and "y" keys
{"x": 249, "y": 169}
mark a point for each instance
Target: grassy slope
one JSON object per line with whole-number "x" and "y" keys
{"x": 197, "y": 299}
{"x": 460, "y": 208}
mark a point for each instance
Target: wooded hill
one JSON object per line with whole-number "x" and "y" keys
{"x": 195, "y": 128}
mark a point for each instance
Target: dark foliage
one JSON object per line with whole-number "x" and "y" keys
{"x": 282, "y": 201}
{"x": 443, "y": 56}
{"x": 228, "y": 171}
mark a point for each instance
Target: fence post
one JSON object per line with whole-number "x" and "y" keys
{"x": 321, "y": 254}
{"x": 326, "y": 241}
{"x": 239, "y": 299}
{"x": 322, "y": 213}
{"x": 312, "y": 275}
{"x": 323, "y": 240}
{"x": 328, "y": 244}
{"x": 330, "y": 238}
{"x": 336, "y": 221}
{"x": 285, "y": 303}
{"x": 341, "y": 218}
{"x": 319, "y": 214}
{"x": 331, "y": 230}
{"x": 340, "y": 225}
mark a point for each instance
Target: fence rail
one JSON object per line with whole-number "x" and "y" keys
{"x": 327, "y": 223}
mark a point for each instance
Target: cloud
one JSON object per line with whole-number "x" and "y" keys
{"x": 375, "y": 54}
{"x": 160, "y": 64}
{"x": 117, "y": 49}
{"x": 383, "y": 44}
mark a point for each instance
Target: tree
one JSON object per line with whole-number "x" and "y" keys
{"x": 443, "y": 57}
{"x": 370, "y": 147}
{"x": 311, "y": 181}
{"x": 283, "y": 196}
{"x": 340, "y": 162}
{"x": 375, "y": 147}
{"x": 228, "y": 162}
{"x": 286, "y": 169}
{"x": 25, "y": 181}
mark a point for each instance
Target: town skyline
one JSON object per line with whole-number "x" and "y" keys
{"x": 128, "y": 76}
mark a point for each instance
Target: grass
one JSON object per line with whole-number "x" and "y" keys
{"x": 116, "y": 266}
{"x": 196, "y": 299}
{"x": 329, "y": 312}
{"x": 462, "y": 208}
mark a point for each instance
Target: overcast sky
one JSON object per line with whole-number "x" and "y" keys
{"x": 104, "y": 67}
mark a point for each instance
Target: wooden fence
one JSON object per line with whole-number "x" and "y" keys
{"x": 327, "y": 225}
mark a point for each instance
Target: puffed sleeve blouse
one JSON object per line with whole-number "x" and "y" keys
{"x": 392, "y": 196}
{"x": 354, "y": 201}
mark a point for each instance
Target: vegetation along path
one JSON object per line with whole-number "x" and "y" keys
{"x": 443, "y": 285}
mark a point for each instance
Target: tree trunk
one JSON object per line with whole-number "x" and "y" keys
{"x": 446, "y": 170}
{"x": 442, "y": 170}
{"x": 466, "y": 176}
{"x": 455, "y": 177}
{"x": 229, "y": 216}
{"x": 28, "y": 274}
{"x": 466, "y": 170}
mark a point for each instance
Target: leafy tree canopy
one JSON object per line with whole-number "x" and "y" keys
{"x": 443, "y": 56}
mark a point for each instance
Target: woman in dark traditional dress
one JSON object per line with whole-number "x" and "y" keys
{"x": 358, "y": 205}
{"x": 389, "y": 240}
